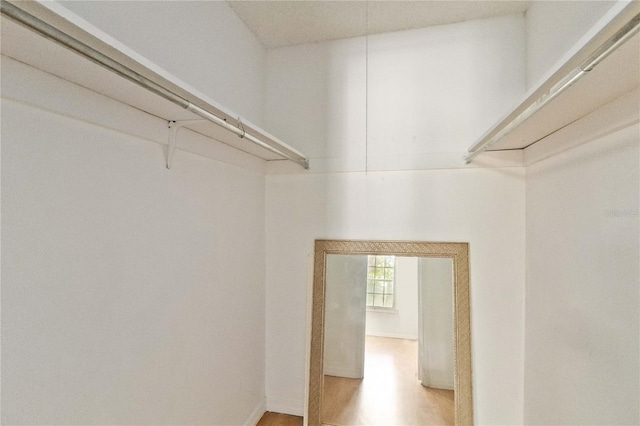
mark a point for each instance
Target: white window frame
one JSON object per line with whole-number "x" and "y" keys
{"x": 384, "y": 309}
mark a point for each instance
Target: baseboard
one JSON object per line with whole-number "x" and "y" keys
{"x": 393, "y": 336}
{"x": 295, "y": 407}
{"x": 341, "y": 372}
{"x": 440, "y": 385}
{"x": 256, "y": 415}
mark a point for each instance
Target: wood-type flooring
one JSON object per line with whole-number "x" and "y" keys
{"x": 390, "y": 393}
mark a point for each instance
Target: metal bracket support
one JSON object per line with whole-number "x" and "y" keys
{"x": 173, "y": 132}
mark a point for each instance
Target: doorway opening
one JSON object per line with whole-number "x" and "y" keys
{"x": 389, "y": 341}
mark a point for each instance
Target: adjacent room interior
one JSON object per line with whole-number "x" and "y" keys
{"x": 168, "y": 166}
{"x": 388, "y": 341}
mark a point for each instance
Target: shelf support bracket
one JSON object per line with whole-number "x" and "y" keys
{"x": 173, "y": 133}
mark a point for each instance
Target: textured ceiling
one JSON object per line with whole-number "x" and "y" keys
{"x": 285, "y": 23}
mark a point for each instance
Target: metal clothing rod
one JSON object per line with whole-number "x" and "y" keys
{"x": 630, "y": 29}
{"x": 18, "y": 15}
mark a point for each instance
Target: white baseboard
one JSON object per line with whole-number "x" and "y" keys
{"x": 342, "y": 372}
{"x": 257, "y": 414}
{"x": 440, "y": 385}
{"x": 393, "y": 335}
{"x": 295, "y": 407}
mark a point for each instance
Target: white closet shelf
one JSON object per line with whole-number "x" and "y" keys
{"x": 29, "y": 47}
{"x": 536, "y": 117}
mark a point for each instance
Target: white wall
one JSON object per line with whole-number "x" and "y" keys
{"x": 448, "y": 83}
{"x": 553, "y": 27}
{"x": 431, "y": 94}
{"x": 582, "y": 295}
{"x": 483, "y": 207}
{"x": 344, "y": 321}
{"x": 403, "y": 323}
{"x": 438, "y": 343}
{"x": 131, "y": 294}
{"x": 203, "y": 43}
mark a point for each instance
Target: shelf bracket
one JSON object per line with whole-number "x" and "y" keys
{"x": 173, "y": 133}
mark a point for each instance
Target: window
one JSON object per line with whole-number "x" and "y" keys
{"x": 381, "y": 282}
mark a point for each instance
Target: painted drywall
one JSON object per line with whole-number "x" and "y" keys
{"x": 403, "y": 323}
{"x": 553, "y": 27}
{"x": 131, "y": 294}
{"x": 437, "y": 325}
{"x": 582, "y": 296}
{"x": 203, "y": 43}
{"x": 421, "y": 96}
{"x": 344, "y": 320}
{"x": 480, "y": 206}
{"x": 431, "y": 93}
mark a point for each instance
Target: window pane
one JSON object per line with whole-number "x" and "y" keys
{"x": 380, "y": 281}
{"x": 388, "y": 301}
{"x": 388, "y": 274}
{"x": 377, "y": 300}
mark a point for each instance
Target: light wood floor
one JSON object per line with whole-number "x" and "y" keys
{"x": 276, "y": 419}
{"x": 390, "y": 393}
